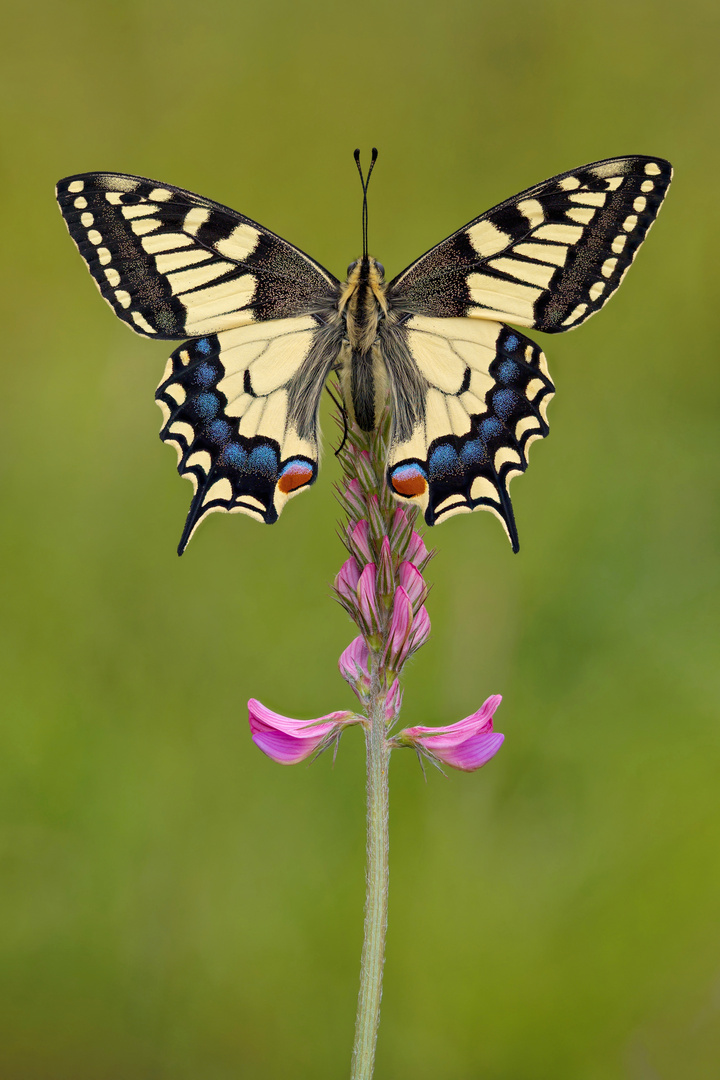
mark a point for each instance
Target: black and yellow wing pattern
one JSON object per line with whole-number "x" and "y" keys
{"x": 548, "y": 259}
{"x": 262, "y": 326}
{"x": 240, "y": 399}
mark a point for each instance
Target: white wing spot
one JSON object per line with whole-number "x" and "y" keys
{"x": 640, "y": 204}
{"x": 576, "y": 314}
{"x": 614, "y": 182}
{"x": 533, "y": 211}
{"x": 112, "y": 276}
{"x": 138, "y": 211}
{"x": 104, "y": 256}
{"x": 76, "y": 185}
{"x": 651, "y": 169}
{"x": 145, "y": 225}
{"x": 630, "y": 222}
{"x": 608, "y": 267}
{"x": 532, "y": 273}
{"x": 647, "y": 185}
{"x": 597, "y": 290}
{"x": 583, "y": 214}
{"x": 588, "y": 198}
{"x": 195, "y": 218}
{"x": 113, "y": 197}
{"x": 80, "y": 202}
{"x": 94, "y": 237}
{"x": 559, "y": 234}
{"x": 241, "y": 242}
{"x": 487, "y": 239}
{"x": 570, "y": 183}
{"x": 87, "y": 220}
{"x": 122, "y": 297}
{"x": 165, "y": 242}
{"x": 142, "y": 322}
{"x": 160, "y": 194}
{"x": 618, "y": 244}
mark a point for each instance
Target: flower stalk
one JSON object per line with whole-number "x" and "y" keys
{"x": 381, "y": 587}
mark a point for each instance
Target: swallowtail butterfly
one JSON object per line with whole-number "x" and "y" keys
{"x": 262, "y": 326}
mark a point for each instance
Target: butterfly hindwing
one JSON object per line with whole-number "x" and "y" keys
{"x": 548, "y": 258}
{"x": 487, "y": 391}
{"x": 241, "y": 409}
{"x": 173, "y": 264}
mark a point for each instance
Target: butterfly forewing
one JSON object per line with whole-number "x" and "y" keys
{"x": 550, "y": 257}
{"x": 172, "y": 264}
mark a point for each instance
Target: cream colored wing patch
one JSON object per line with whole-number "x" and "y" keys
{"x": 486, "y": 398}
{"x": 230, "y": 407}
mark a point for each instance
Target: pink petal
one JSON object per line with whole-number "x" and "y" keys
{"x": 393, "y": 702}
{"x": 412, "y": 582}
{"x": 466, "y": 745}
{"x": 359, "y": 540}
{"x": 419, "y": 633}
{"x": 347, "y": 579}
{"x": 367, "y": 598}
{"x": 354, "y": 663}
{"x": 472, "y": 754}
{"x": 286, "y": 740}
{"x": 416, "y": 552}
{"x": 478, "y": 723}
{"x": 400, "y": 624}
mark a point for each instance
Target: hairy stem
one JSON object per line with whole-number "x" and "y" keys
{"x": 376, "y": 895}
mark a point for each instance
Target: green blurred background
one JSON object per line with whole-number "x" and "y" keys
{"x": 174, "y": 905}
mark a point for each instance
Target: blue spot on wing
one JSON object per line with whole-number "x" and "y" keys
{"x": 264, "y": 461}
{"x": 234, "y": 455}
{"x": 203, "y": 346}
{"x": 206, "y": 406}
{"x": 504, "y": 402}
{"x": 205, "y": 376}
{"x": 507, "y": 371}
{"x": 511, "y": 343}
{"x": 474, "y": 453}
{"x": 491, "y": 428}
{"x": 219, "y": 431}
{"x": 443, "y": 463}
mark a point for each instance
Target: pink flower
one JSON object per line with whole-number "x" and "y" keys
{"x": 288, "y": 741}
{"x": 347, "y": 580}
{"x": 354, "y": 665}
{"x": 419, "y": 633}
{"x": 400, "y": 623}
{"x": 358, "y": 540}
{"x": 367, "y": 598}
{"x": 416, "y": 552}
{"x": 412, "y": 582}
{"x": 467, "y": 745}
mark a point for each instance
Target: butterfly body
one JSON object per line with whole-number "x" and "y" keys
{"x": 265, "y": 326}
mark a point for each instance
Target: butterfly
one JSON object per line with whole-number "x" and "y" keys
{"x": 263, "y": 325}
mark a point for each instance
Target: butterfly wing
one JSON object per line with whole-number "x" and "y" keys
{"x": 173, "y": 265}
{"x": 241, "y": 409}
{"x": 548, "y": 258}
{"x": 486, "y": 390}
{"x": 240, "y": 402}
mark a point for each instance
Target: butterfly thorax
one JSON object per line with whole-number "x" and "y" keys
{"x": 363, "y": 306}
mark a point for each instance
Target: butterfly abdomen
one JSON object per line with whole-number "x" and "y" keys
{"x": 363, "y": 306}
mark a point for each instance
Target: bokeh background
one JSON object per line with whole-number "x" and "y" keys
{"x": 174, "y": 905}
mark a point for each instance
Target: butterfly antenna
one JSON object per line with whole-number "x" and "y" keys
{"x": 365, "y": 180}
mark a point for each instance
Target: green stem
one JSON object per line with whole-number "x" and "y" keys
{"x": 376, "y": 895}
